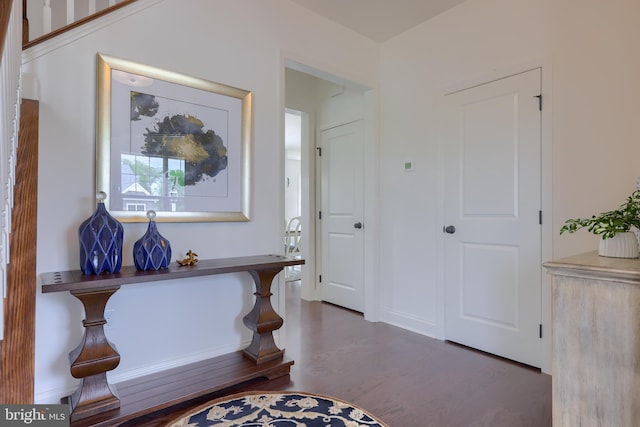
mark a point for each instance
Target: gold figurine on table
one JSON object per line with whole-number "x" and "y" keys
{"x": 191, "y": 259}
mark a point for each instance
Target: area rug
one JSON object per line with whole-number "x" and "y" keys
{"x": 278, "y": 409}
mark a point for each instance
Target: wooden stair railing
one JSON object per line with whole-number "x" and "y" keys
{"x": 17, "y": 355}
{"x": 5, "y": 14}
{"x": 30, "y": 43}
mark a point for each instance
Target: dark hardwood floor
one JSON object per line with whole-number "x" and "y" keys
{"x": 405, "y": 379}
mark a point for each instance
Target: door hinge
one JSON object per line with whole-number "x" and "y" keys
{"x": 540, "y": 217}
{"x": 539, "y": 101}
{"x": 540, "y": 330}
{"x": 319, "y": 214}
{"x": 319, "y": 151}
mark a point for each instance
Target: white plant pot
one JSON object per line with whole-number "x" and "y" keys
{"x": 622, "y": 245}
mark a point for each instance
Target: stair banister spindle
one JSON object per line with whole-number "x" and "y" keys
{"x": 46, "y": 17}
{"x": 71, "y": 7}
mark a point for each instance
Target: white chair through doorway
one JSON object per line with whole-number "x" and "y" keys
{"x": 292, "y": 237}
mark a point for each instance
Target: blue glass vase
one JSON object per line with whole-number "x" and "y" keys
{"x": 152, "y": 251}
{"x": 100, "y": 238}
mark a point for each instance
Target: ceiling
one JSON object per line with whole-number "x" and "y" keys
{"x": 378, "y": 20}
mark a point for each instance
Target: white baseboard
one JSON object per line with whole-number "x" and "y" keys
{"x": 410, "y": 322}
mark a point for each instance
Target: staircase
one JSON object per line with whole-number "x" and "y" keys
{"x": 46, "y": 19}
{"x": 18, "y": 159}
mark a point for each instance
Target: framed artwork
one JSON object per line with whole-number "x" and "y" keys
{"x": 172, "y": 143}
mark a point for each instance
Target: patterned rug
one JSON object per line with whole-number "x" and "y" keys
{"x": 278, "y": 409}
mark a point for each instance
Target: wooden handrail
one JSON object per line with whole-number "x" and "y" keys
{"x": 25, "y": 23}
{"x": 18, "y": 348}
{"x": 75, "y": 24}
{"x": 5, "y": 14}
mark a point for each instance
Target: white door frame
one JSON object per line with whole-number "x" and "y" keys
{"x": 546, "y": 194}
{"x": 310, "y": 272}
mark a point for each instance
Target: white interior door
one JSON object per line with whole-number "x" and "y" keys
{"x": 342, "y": 214}
{"x": 492, "y": 199}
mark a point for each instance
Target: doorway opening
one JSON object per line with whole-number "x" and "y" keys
{"x": 293, "y": 192}
{"x": 324, "y": 102}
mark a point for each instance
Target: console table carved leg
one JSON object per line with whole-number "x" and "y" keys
{"x": 263, "y": 320}
{"x": 91, "y": 360}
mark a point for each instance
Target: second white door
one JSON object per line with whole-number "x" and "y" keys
{"x": 342, "y": 201}
{"x": 492, "y": 217}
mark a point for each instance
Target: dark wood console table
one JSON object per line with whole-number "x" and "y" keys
{"x": 96, "y": 402}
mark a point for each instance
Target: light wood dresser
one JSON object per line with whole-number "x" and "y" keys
{"x": 596, "y": 341}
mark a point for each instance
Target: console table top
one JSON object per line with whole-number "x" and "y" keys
{"x": 592, "y": 264}
{"x": 75, "y": 280}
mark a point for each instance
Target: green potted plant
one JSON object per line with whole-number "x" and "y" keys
{"x": 615, "y": 228}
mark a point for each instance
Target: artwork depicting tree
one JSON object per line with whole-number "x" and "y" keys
{"x": 181, "y": 136}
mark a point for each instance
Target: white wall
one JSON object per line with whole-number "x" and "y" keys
{"x": 235, "y": 42}
{"x": 591, "y": 63}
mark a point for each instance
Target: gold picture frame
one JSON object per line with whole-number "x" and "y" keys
{"x": 172, "y": 143}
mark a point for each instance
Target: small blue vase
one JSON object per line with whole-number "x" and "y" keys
{"x": 151, "y": 251}
{"x": 100, "y": 238}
